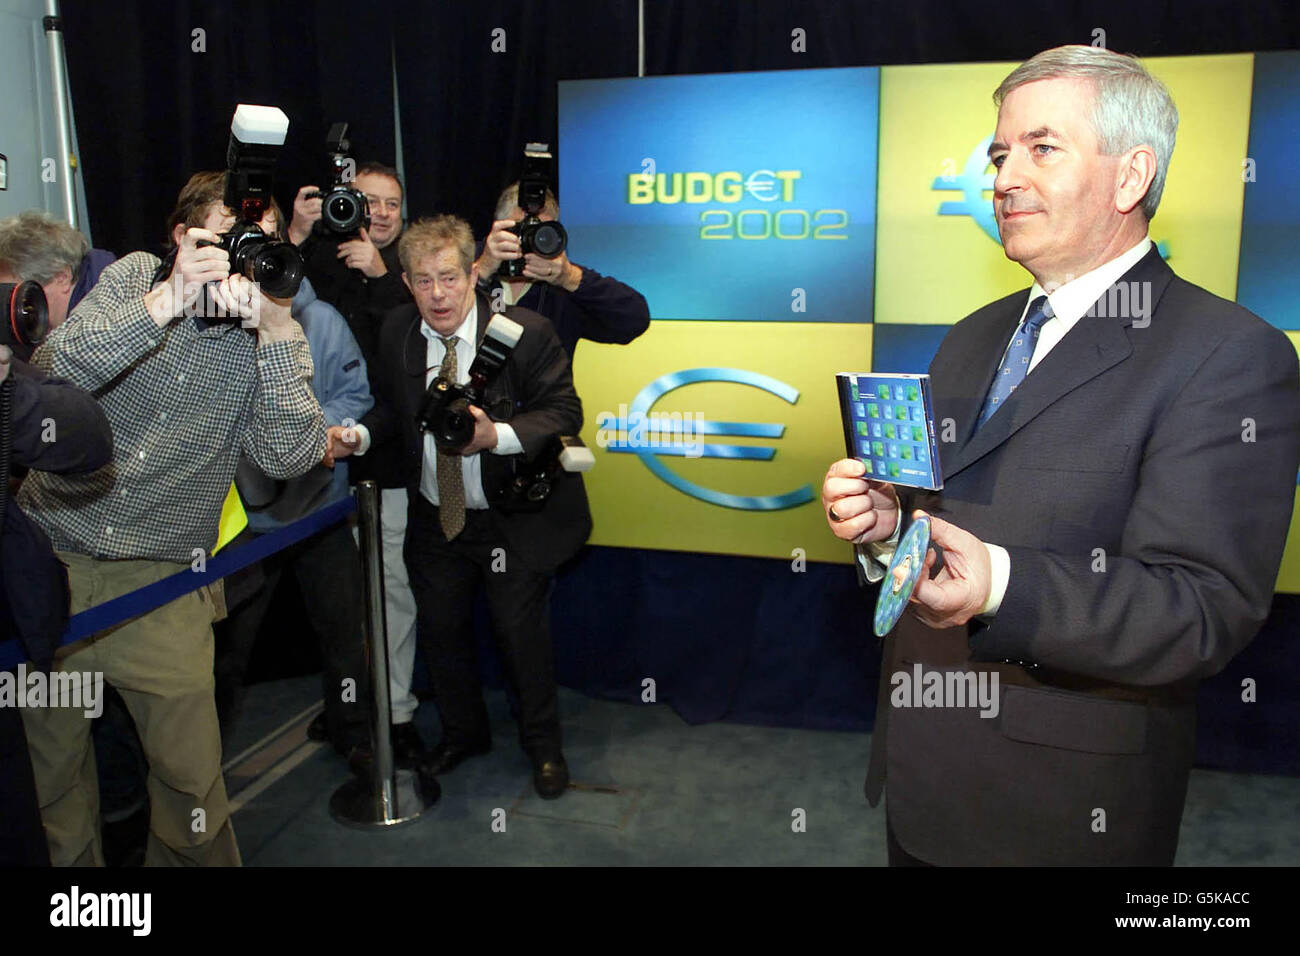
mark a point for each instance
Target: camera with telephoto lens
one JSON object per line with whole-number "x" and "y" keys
{"x": 535, "y": 478}
{"x": 445, "y": 413}
{"x": 344, "y": 210}
{"x": 256, "y": 135}
{"x": 24, "y": 317}
{"x": 546, "y": 239}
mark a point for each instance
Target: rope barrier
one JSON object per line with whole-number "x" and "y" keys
{"x": 152, "y": 596}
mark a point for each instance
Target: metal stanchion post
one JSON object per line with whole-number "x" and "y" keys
{"x": 53, "y": 24}
{"x": 391, "y": 796}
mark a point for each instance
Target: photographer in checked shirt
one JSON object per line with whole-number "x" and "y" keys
{"x": 185, "y": 395}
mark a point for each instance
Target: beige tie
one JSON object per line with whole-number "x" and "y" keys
{"x": 451, "y": 479}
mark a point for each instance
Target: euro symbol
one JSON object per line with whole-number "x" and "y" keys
{"x": 762, "y": 189}
{"x": 972, "y": 184}
{"x": 661, "y": 386}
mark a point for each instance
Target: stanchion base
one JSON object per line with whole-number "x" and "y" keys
{"x": 355, "y": 804}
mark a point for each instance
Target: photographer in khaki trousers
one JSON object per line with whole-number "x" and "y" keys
{"x": 185, "y": 395}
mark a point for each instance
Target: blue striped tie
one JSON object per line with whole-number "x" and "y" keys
{"x": 1015, "y": 366}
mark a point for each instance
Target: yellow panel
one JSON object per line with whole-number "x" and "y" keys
{"x": 936, "y": 269}
{"x": 933, "y": 269}
{"x": 632, "y": 507}
{"x": 1288, "y": 579}
{"x": 1200, "y": 212}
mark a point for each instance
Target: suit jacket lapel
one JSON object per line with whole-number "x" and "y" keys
{"x": 1096, "y": 343}
{"x": 414, "y": 361}
{"x": 485, "y": 314}
{"x": 966, "y": 378}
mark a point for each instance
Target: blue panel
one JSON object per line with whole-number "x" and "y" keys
{"x": 1268, "y": 280}
{"x": 757, "y": 185}
{"x": 905, "y": 348}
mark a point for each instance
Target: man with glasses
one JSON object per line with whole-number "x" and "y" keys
{"x": 360, "y": 276}
{"x": 461, "y": 540}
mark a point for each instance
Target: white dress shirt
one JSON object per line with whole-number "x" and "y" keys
{"x": 472, "y": 466}
{"x": 1070, "y": 303}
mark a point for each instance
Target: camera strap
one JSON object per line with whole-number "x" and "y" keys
{"x": 164, "y": 267}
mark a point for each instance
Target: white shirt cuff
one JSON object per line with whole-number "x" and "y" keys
{"x": 1000, "y": 561}
{"x": 870, "y": 570}
{"x": 507, "y": 441}
{"x": 874, "y": 557}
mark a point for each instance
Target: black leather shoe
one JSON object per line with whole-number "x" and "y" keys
{"x": 428, "y": 785}
{"x": 360, "y": 760}
{"x": 318, "y": 729}
{"x": 550, "y": 777}
{"x": 446, "y": 757}
{"x": 408, "y": 748}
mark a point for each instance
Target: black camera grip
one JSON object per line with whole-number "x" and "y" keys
{"x": 6, "y": 436}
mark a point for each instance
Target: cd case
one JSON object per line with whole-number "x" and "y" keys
{"x": 889, "y": 427}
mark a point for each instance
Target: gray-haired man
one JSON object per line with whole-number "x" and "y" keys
{"x": 1110, "y": 535}
{"x": 36, "y": 247}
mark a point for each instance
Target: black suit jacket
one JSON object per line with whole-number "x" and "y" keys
{"x": 534, "y": 394}
{"x": 601, "y": 309}
{"x": 33, "y": 583}
{"x": 1141, "y": 479}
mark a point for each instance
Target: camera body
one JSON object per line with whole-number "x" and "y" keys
{"x": 344, "y": 209}
{"x": 274, "y": 265}
{"x": 547, "y": 239}
{"x": 535, "y": 478}
{"x": 445, "y": 413}
{"x": 256, "y": 135}
{"x": 24, "y": 317}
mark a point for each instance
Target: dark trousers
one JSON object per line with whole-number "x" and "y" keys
{"x": 327, "y": 567}
{"x": 22, "y": 838}
{"x": 445, "y": 579}
{"x": 897, "y": 855}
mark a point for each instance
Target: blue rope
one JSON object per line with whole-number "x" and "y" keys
{"x": 153, "y": 596}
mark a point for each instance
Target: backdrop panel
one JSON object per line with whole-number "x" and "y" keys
{"x": 695, "y": 492}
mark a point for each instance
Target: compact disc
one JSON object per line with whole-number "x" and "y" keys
{"x": 894, "y": 594}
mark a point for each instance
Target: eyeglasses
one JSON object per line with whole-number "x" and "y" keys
{"x": 450, "y": 281}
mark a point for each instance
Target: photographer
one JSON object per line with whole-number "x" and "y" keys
{"x": 36, "y": 247}
{"x": 360, "y": 276}
{"x": 326, "y": 566}
{"x": 185, "y": 394}
{"x": 580, "y": 302}
{"x": 459, "y": 539}
{"x": 33, "y": 585}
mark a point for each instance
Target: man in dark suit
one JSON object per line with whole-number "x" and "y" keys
{"x": 33, "y": 584}
{"x": 459, "y": 536}
{"x": 580, "y": 302}
{"x": 1117, "y": 491}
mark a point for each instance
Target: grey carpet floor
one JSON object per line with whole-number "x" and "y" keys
{"x": 653, "y": 790}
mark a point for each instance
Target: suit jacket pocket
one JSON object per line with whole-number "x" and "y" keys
{"x": 1076, "y": 457}
{"x": 1074, "y": 721}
